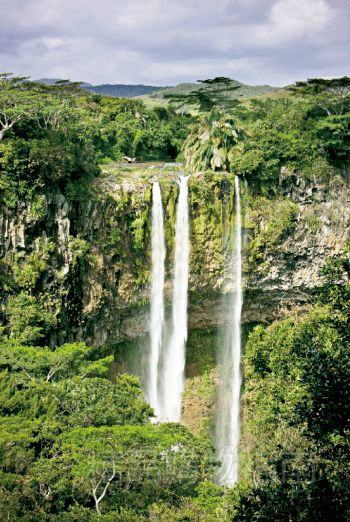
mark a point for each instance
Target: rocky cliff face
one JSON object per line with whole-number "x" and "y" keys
{"x": 309, "y": 224}
{"x": 99, "y": 265}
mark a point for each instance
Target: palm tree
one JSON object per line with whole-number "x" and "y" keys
{"x": 210, "y": 144}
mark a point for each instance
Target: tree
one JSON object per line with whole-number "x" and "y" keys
{"x": 58, "y": 103}
{"x": 63, "y": 362}
{"x": 297, "y": 377}
{"x": 95, "y": 401}
{"x": 332, "y": 96}
{"x": 219, "y": 90}
{"x": 45, "y": 393}
{"x": 17, "y": 440}
{"x": 18, "y": 100}
{"x": 199, "y": 99}
{"x": 126, "y": 465}
{"x": 211, "y": 142}
{"x": 29, "y": 319}
{"x": 215, "y": 93}
{"x": 334, "y": 134}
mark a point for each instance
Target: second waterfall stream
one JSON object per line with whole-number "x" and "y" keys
{"x": 175, "y": 350}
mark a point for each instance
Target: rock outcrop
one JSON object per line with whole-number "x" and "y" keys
{"x": 101, "y": 257}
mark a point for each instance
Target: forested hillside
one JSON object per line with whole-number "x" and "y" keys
{"x": 78, "y": 439}
{"x": 161, "y": 93}
{"x": 115, "y": 89}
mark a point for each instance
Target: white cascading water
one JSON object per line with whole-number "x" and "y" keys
{"x": 174, "y": 352}
{"x": 228, "y": 407}
{"x": 157, "y": 297}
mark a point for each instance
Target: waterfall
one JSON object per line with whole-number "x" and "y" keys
{"x": 228, "y": 407}
{"x": 174, "y": 352}
{"x": 157, "y": 297}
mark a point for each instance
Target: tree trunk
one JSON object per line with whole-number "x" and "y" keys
{"x": 97, "y": 506}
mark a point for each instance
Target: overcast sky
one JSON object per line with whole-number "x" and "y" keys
{"x": 162, "y": 42}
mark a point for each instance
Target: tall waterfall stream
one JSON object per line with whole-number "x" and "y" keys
{"x": 174, "y": 351}
{"x": 228, "y": 404}
{"x": 157, "y": 297}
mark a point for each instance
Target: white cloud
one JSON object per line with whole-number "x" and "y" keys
{"x": 53, "y": 43}
{"x": 290, "y": 19}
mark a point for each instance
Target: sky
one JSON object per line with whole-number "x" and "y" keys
{"x": 164, "y": 42}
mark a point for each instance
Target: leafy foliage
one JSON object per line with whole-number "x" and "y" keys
{"x": 29, "y": 319}
{"x": 54, "y": 136}
{"x": 289, "y": 132}
{"x": 331, "y": 95}
{"x": 297, "y": 376}
{"x": 215, "y": 92}
{"x": 69, "y": 436}
{"x": 211, "y": 142}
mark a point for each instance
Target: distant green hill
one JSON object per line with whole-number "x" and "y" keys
{"x": 116, "y": 90}
{"x": 244, "y": 91}
{"x": 153, "y": 95}
{"x": 126, "y": 91}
